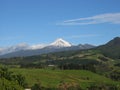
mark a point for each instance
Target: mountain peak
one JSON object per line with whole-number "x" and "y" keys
{"x": 115, "y": 41}
{"x": 60, "y": 43}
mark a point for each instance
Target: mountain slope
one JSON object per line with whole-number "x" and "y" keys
{"x": 111, "y": 49}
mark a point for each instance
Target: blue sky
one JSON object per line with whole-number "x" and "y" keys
{"x": 42, "y": 21}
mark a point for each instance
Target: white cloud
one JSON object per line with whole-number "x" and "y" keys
{"x": 21, "y": 46}
{"x": 112, "y": 18}
{"x": 38, "y": 46}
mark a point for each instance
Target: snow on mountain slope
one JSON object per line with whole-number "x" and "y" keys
{"x": 60, "y": 43}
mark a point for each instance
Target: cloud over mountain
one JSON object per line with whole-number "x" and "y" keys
{"x": 21, "y": 46}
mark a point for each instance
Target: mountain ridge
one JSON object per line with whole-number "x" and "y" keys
{"x": 110, "y": 49}
{"x": 56, "y": 46}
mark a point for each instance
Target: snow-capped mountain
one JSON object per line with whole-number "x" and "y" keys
{"x": 60, "y": 43}
{"x": 29, "y": 50}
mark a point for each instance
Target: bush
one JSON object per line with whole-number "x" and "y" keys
{"x": 10, "y": 81}
{"x": 102, "y": 87}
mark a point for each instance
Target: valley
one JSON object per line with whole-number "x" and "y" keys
{"x": 83, "y": 69}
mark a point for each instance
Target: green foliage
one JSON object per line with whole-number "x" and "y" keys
{"x": 102, "y": 86}
{"x": 10, "y": 81}
{"x": 118, "y": 64}
{"x": 69, "y": 66}
{"x": 9, "y": 85}
{"x": 72, "y": 66}
{"x": 36, "y": 87}
{"x": 115, "y": 75}
{"x": 52, "y": 78}
{"x": 20, "y": 79}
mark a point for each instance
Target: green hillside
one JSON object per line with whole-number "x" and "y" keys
{"x": 87, "y": 69}
{"x": 52, "y": 78}
{"x": 111, "y": 49}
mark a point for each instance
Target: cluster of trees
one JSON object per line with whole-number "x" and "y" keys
{"x": 103, "y": 87}
{"x": 11, "y": 81}
{"x": 118, "y": 64}
{"x": 74, "y": 86}
{"x": 37, "y": 86}
{"x": 63, "y": 66}
{"x": 115, "y": 75}
{"x": 32, "y": 65}
{"x": 62, "y": 86}
{"x": 71, "y": 66}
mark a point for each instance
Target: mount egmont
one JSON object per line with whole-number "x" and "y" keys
{"x": 58, "y": 45}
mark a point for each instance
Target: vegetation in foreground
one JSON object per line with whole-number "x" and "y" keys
{"x": 48, "y": 79}
{"x": 10, "y": 80}
{"x": 95, "y": 69}
{"x": 54, "y": 79}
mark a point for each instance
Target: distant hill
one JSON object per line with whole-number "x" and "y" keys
{"x": 111, "y": 49}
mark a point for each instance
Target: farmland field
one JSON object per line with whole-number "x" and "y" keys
{"x": 52, "y": 78}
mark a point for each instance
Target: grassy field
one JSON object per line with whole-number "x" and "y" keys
{"x": 52, "y": 78}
